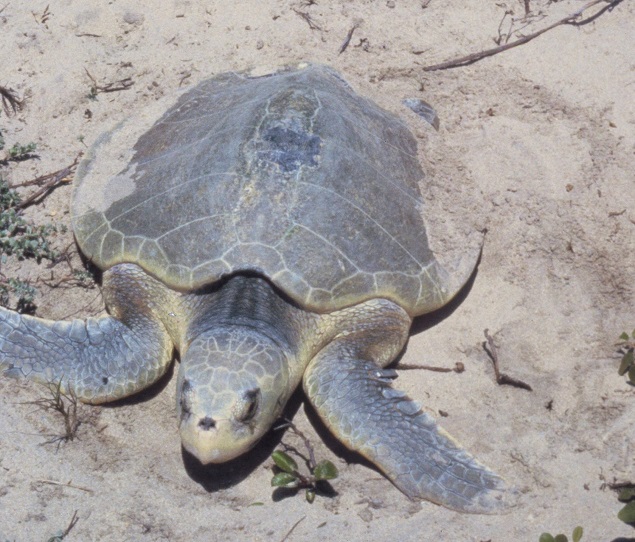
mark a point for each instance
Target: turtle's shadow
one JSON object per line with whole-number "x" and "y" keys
{"x": 427, "y": 321}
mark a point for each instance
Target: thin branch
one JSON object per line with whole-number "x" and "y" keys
{"x": 292, "y": 528}
{"x": 67, "y": 484}
{"x": 10, "y": 102}
{"x": 458, "y": 368}
{"x": 348, "y": 38}
{"x": 307, "y": 443}
{"x": 96, "y": 88}
{"x": 570, "y": 19}
{"x": 48, "y": 183}
{"x": 501, "y": 378}
{"x": 312, "y": 24}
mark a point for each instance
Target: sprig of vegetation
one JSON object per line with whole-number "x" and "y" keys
{"x": 23, "y": 291}
{"x": 626, "y": 346}
{"x": 627, "y": 495}
{"x": 19, "y": 237}
{"x": 287, "y": 473}
{"x": 18, "y": 152}
{"x": 576, "y": 537}
{"x": 65, "y": 403}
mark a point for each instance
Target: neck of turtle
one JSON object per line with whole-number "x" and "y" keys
{"x": 244, "y": 302}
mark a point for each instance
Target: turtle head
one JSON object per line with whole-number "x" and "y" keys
{"x": 232, "y": 385}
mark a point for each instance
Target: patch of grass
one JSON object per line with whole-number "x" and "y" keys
{"x": 287, "y": 474}
{"x": 64, "y": 403}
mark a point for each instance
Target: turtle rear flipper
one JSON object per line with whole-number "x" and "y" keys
{"x": 98, "y": 359}
{"x": 355, "y": 400}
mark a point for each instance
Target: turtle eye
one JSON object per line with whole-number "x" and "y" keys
{"x": 250, "y": 403}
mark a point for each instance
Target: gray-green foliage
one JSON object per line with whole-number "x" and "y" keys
{"x": 23, "y": 292}
{"x": 19, "y": 237}
{"x": 21, "y": 152}
{"x": 626, "y": 347}
{"x": 576, "y": 537}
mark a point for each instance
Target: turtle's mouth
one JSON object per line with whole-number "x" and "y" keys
{"x": 214, "y": 441}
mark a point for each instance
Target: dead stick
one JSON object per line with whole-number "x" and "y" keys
{"x": 292, "y": 528}
{"x": 458, "y": 368}
{"x": 501, "y": 378}
{"x": 348, "y": 38}
{"x": 53, "y": 180}
{"x": 54, "y": 483}
{"x": 475, "y": 57}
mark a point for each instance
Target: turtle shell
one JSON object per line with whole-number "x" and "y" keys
{"x": 291, "y": 175}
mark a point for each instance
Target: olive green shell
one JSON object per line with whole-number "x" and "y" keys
{"x": 291, "y": 175}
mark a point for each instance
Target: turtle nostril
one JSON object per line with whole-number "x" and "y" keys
{"x": 207, "y": 423}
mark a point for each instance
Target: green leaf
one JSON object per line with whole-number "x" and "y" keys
{"x": 561, "y": 538}
{"x": 325, "y": 470}
{"x": 627, "y": 494}
{"x": 284, "y": 461}
{"x": 627, "y": 362}
{"x": 631, "y": 374}
{"x": 624, "y": 336}
{"x": 577, "y": 534}
{"x": 627, "y": 514}
{"x": 285, "y": 479}
{"x": 310, "y": 495}
{"x": 546, "y": 537}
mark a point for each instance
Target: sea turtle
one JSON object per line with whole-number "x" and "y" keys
{"x": 269, "y": 229}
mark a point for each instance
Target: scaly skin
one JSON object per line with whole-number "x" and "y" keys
{"x": 99, "y": 359}
{"x": 244, "y": 349}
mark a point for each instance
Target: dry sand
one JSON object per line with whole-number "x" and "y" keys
{"x": 536, "y": 144}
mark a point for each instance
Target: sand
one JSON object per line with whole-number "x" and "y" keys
{"x": 537, "y": 145}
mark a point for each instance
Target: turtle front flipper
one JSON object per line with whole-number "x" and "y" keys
{"x": 355, "y": 400}
{"x": 99, "y": 359}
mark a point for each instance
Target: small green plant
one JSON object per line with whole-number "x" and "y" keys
{"x": 626, "y": 346}
{"x": 627, "y": 495}
{"x": 287, "y": 473}
{"x": 22, "y": 291}
{"x": 19, "y": 237}
{"x": 19, "y": 152}
{"x": 576, "y": 537}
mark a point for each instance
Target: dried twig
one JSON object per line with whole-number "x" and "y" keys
{"x": 307, "y": 443}
{"x": 572, "y": 19}
{"x": 48, "y": 183}
{"x": 67, "y": 484}
{"x": 527, "y": 8}
{"x": 66, "y": 404}
{"x": 348, "y": 38}
{"x": 10, "y": 102}
{"x": 293, "y": 528}
{"x": 312, "y": 24}
{"x": 64, "y": 534}
{"x": 96, "y": 88}
{"x": 458, "y": 368}
{"x": 501, "y": 378}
